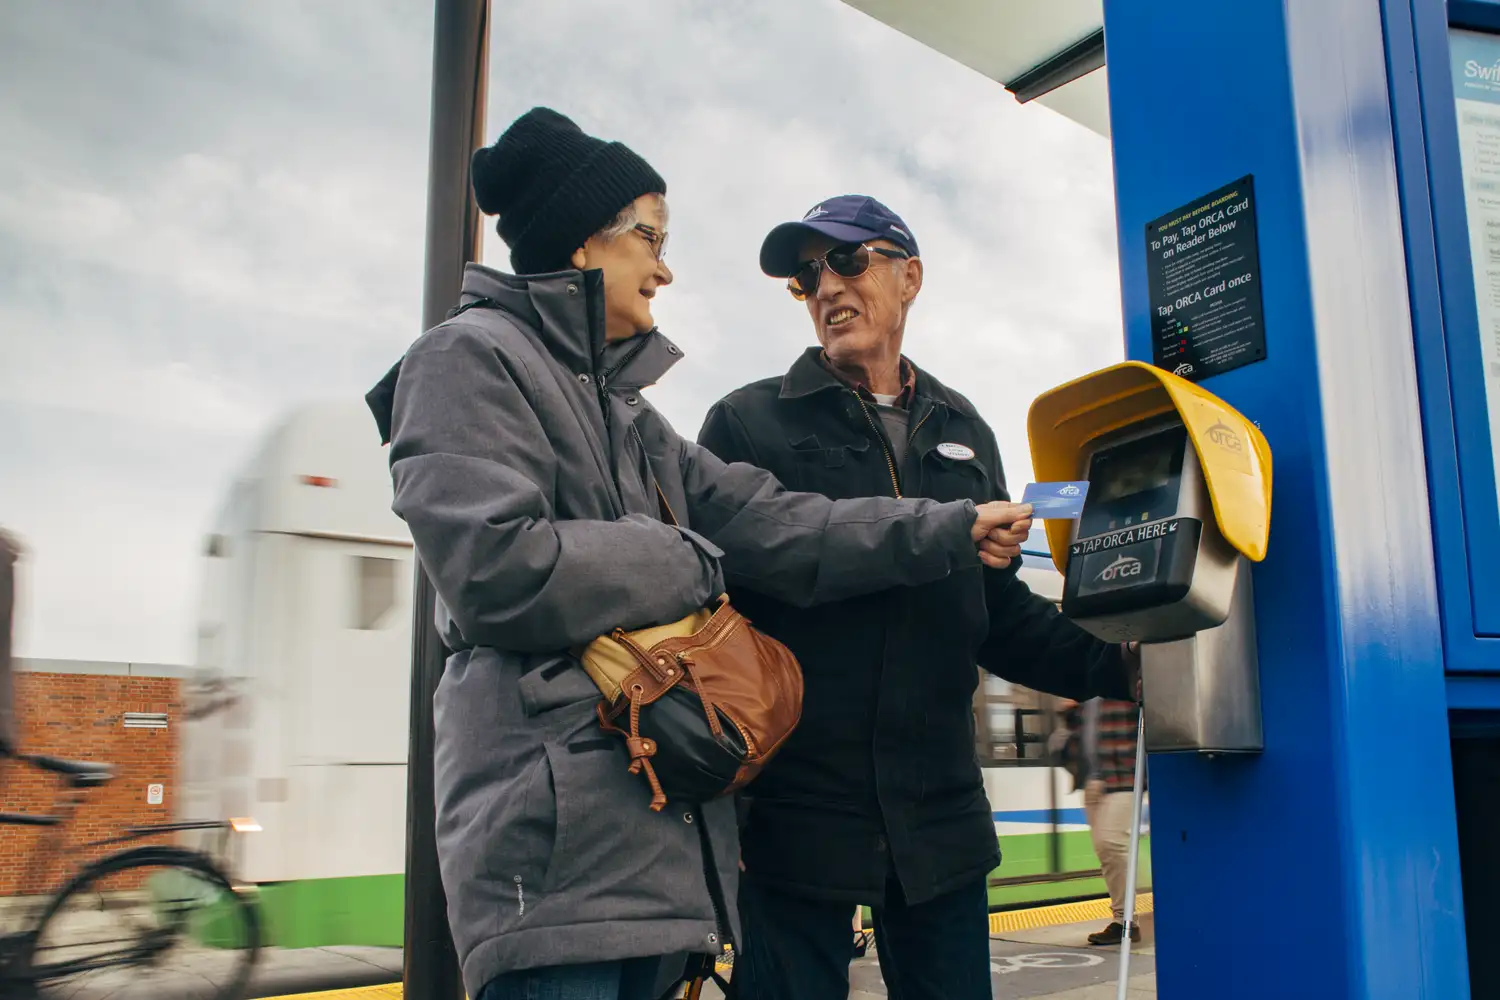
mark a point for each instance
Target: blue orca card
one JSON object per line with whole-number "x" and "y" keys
{"x": 1055, "y": 501}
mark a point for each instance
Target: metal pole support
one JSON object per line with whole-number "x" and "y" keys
{"x": 460, "y": 66}
{"x": 1135, "y": 850}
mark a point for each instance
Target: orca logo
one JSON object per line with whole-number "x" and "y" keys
{"x": 1122, "y": 568}
{"x": 1225, "y": 437}
{"x": 1069, "y": 491}
{"x": 820, "y": 210}
{"x": 1186, "y": 368}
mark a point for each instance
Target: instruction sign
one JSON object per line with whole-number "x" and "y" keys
{"x": 1476, "y": 89}
{"x": 154, "y": 794}
{"x": 1203, "y": 275}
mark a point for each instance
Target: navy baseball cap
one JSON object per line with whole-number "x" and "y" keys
{"x": 849, "y": 218}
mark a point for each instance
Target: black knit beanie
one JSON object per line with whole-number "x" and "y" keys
{"x": 554, "y": 186}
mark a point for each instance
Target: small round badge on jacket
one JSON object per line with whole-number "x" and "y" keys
{"x": 949, "y": 449}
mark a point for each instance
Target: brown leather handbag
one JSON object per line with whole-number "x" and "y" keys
{"x": 703, "y": 703}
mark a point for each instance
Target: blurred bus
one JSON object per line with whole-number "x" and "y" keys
{"x": 297, "y": 712}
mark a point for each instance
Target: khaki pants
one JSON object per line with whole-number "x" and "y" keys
{"x": 1109, "y": 815}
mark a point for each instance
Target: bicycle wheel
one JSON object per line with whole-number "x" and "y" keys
{"x": 153, "y": 922}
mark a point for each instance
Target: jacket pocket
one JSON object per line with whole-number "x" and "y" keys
{"x": 601, "y": 811}
{"x": 817, "y": 468}
{"x": 554, "y": 683}
{"x": 522, "y": 838}
{"x": 951, "y": 479}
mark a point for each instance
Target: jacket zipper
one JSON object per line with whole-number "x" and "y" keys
{"x": 601, "y": 381}
{"x": 913, "y": 435}
{"x": 890, "y": 463}
{"x": 911, "y": 443}
{"x": 711, "y": 877}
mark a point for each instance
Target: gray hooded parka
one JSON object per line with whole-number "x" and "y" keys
{"x": 525, "y": 463}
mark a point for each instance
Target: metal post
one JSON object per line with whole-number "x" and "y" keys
{"x": 1053, "y": 757}
{"x": 1054, "y": 814}
{"x": 1135, "y": 850}
{"x": 10, "y": 551}
{"x": 460, "y": 65}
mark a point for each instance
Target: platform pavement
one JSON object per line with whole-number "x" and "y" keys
{"x": 345, "y": 969}
{"x": 333, "y": 968}
{"x": 1050, "y": 961}
{"x": 1045, "y": 963}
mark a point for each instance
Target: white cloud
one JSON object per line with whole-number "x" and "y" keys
{"x": 234, "y": 234}
{"x": 160, "y": 398}
{"x": 118, "y": 582}
{"x": 210, "y": 213}
{"x": 111, "y": 514}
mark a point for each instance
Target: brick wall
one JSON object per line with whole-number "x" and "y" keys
{"x": 79, "y": 717}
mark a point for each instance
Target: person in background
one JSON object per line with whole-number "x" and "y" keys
{"x": 877, "y": 797}
{"x": 550, "y": 503}
{"x": 1100, "y": 752}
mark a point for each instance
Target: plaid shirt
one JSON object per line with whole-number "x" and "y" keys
{"x": 908, "y": 381}
{"x": 1114, "y": 747}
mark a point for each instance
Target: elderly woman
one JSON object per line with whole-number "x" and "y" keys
{"x": 534, "y": 477}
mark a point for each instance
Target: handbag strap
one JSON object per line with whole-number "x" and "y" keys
{"x": 666, "y": 508}
{"x": 660, "y": 677}
{"x": 671, "y": 518}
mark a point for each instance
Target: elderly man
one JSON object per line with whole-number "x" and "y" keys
{"x": 533, "y": 476}
{"x": 877, "y": 797}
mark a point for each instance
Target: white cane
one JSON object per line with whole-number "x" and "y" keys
{"x": 1135, "y": 847}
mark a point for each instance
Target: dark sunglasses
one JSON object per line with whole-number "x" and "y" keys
{"x": 847, "y": 261}
{"x": 655, "y": 239}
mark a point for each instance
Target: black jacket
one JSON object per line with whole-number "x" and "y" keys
{"x": 880, "y": 776}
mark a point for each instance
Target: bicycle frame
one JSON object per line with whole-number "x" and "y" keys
{"x": 53, "y": 843}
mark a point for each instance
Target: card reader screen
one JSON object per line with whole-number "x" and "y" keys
{"x": 1133, "y": 481}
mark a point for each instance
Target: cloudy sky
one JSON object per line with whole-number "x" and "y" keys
{"x": 211, "y": 213}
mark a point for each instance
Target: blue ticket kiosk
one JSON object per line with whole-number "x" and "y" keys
{"x": 1369, "y": 136}
{"x": 1308, "y": 209}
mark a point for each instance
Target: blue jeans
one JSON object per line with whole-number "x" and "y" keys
{"x": 800, "y": 949}
{"x": 632, "y": 979}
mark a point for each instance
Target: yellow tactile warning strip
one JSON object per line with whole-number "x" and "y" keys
{"x": 391, "y": 991}
{"x": 1061, "y": 913}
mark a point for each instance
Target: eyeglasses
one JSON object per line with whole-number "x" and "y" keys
{"x": 655, "y": 239}
{"x": 847, "y": 261}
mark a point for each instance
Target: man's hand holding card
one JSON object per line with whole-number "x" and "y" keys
{"x": 1056, "y": 501}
